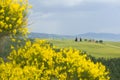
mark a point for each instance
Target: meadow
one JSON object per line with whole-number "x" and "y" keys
{"x": 107, "y": 49}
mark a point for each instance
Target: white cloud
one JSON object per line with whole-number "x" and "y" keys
{"x": 47, "y": 15}
{"x": 106, "y": 0}
{"x": 36, "y": 17}
{"x": 45, "y": 26}
{"x": 75, "y": 2}
{"x": 110, "y": 2}
{"x": 41, "y": 15}
{"x": 57, "y": 16}
{"x": 61, "y": 2}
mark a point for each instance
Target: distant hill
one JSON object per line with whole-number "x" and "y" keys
{"x": 51, "y": 36}
{"x": 103, "y": 36}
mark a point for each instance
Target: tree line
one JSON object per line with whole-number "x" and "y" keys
{"x": 87, "y": 40}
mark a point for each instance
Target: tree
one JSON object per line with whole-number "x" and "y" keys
{"x": 96, "y": 41}
{"x": 76, "y": 39}
{"x": 100, "y": 41}
{"x": 13, "y": 19}
{"x": 85, "y": 39}
{"x": 80, "y": 39}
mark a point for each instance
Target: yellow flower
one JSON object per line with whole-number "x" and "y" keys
{"x": 19, "y": 21}
{"x": 1, "y": 23}
{"x": 13, "y": 39}
{"x": 15, "y": 6}
{"x": 6, "y": 26}
{"x": 10, "y": 26}
{"x": 7, "y": 18}
{"x": 13, "y": 19}
{"x": 14, "y": 31}
{"x": 2, "y": 11}
{"x": 12, "y": 47}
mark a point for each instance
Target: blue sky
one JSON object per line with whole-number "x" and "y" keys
{"x": 70, "y": 17}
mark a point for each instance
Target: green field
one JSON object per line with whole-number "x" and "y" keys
{"x": 107, "y": 49}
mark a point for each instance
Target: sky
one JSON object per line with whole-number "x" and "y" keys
{"x": 71, "y": 17}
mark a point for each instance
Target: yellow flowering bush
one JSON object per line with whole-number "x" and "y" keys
{"x": 40, "y": 61}
{"x": 13, "y": 17}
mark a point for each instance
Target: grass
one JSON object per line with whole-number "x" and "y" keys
{"x": 107, "y": 49}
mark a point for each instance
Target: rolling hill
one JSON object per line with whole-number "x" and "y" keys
{"x": 108, "y": 49}
{"x": 103, "y": 36}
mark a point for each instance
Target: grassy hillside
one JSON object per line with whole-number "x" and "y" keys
{"x": 107, "y": 49}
